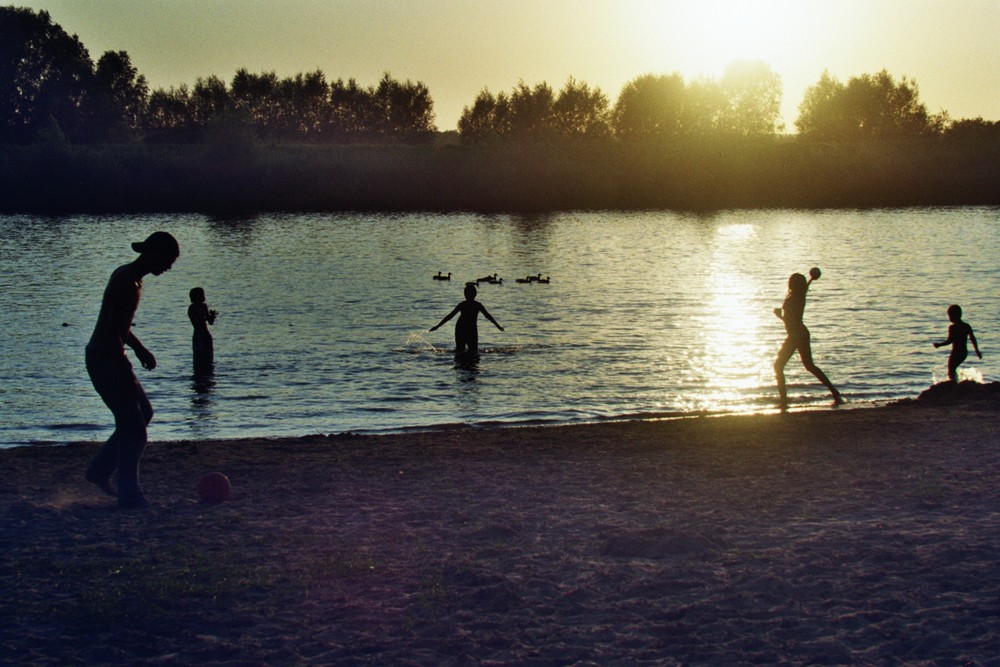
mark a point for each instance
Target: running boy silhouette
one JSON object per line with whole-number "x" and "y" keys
{"x": 466, "y": 330}
{"x": 798, "y": 337}
{"x": 201, "y": 316}
{"x": 958, "y": 333}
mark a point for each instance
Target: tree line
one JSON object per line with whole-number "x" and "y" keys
{"x": 48, "y": 83}
{"x": 50, "y": 86}
{"x": 745, "y": 102}
{"x": 304, "y": 108}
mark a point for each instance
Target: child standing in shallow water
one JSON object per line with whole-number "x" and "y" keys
{"x": 202, "y": 343}
{"x": 466, "y": 329}
{"x": 958, "y": 333}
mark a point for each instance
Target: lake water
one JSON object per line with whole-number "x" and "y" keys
{"x": 323, "y": 319}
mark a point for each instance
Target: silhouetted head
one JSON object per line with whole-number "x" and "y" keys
{"x": 160, "y": 250}
{"x": 954, "y": 313}
{"x": 470, "y": 292}
{"x": 197, "y": 295}
{"x": 797, "y": 284}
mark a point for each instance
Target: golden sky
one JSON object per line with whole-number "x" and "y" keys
{"x": 459, "y": 47}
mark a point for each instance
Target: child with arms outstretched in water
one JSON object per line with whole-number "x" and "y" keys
{"x": 958, "y": 333}
{"x": 466, "y": 329}
{"x": 798, "y": 338}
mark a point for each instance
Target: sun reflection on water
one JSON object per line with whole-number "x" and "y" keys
{"x": 648, "y": 314}
{"x": 732, "y": 358}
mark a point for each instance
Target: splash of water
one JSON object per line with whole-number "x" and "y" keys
{"x": 971, "y": 373}
{"x": 416, "y": 343}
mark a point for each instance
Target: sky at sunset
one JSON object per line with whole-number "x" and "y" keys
{"x": 459, "y": 47}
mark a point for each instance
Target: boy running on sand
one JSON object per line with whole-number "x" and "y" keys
{"x": 798, "y": 337}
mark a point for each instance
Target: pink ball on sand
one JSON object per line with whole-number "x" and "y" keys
{"x": 214, "y": 487}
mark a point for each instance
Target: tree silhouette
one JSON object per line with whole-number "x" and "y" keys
{"x": 537, "y": 114}
{"x": 404, "y": 110}
{"x": 48, "y": 82}
{"x": 580, "y": 112}
{"x": 169, "y": 115}
{"x": 869, "y": 106}
{"x": 351, "y": 111}
{"x": 650, "y": 107}
{"x": 256, "y": 95}
{"x": 305, "y": 102}
{"x": 705, "y": 106}
{"x": 120, "y": 98}
{"x": 209, "y": 100}
{"x": 753, "y": 100}
{"x": 531, "y": 112}
{"x": 822, "y": 112}
{"x": 50, "y": 86}
{"x": 303, "y": 107}
{"x": 45, "y": 75}
{"x": 487, "y": 119}
{"x": 745, "y": 103}
{"x": 973, "y": 130}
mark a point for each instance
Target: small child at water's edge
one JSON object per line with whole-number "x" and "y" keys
{"x": 466, "y": 329}
{"x": 203, "y": 345}
{"x": 958, "y": 333}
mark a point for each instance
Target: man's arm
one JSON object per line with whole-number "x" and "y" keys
{"x": 145, "y": 357}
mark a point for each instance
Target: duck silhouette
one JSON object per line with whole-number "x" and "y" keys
{"x": 531, "y": 279}
{"x": 544, "y": 281}
{"x": 487, "y": 279}
{"x": 440, "y": 276}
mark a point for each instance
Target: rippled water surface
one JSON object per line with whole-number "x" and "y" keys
{"x": 323, "y": 318}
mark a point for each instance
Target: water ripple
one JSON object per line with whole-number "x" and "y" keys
{"x": 323, "y": 318}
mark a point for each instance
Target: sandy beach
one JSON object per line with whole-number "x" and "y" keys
{"x": 849, "y": 536}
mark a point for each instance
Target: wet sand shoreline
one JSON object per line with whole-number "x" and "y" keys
{"x": 864, "y": 536}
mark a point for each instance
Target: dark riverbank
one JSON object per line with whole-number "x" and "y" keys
{"x": 60, "y": 178}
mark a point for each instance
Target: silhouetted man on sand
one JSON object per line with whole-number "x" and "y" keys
{"x": 112, "y": 375}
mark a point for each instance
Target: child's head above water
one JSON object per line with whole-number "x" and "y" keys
{"x": 954, "y": 313}
{"x": 197, "y": 295}
{"x": 470, "y": 291}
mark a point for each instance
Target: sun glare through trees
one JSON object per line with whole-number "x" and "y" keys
{"x": 714, "y": 33}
